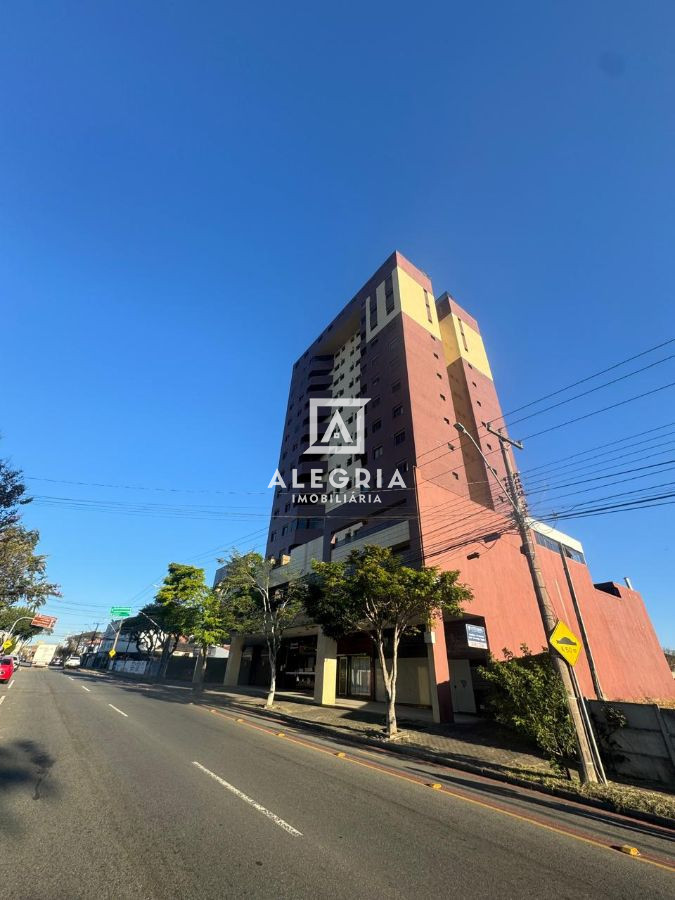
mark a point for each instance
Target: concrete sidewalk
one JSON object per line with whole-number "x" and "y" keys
{"x": 468, "y": 742}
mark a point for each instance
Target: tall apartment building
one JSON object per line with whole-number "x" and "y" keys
{"x": 422, "y": 365}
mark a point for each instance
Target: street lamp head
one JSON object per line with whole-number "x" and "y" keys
{"x": 460, "y": 428}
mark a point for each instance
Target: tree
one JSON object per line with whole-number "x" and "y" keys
{"x": 527, "y": 695}
{"x": 192, "y": 610}
{"x": 23, "y": 630}
{"x": 255, "y": 605}
{"x": 372, "y": 589}
{"x": 23, "y": 571}
{"x": 12, "y": 495}
{"x": 211, "y": 627}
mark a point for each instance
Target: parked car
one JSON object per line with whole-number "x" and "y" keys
{"x": 73, "y": 662}
{"x": 6, "y": 668}
{"x": 26, "y": 662}
{"x": 57, "y": 661}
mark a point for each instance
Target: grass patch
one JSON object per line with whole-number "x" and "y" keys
{"x": 621, "y": 798}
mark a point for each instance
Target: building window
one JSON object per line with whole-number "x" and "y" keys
{"x": 428, "y": 306}
{"x": 377, "y": 425}
{"x": 402, "y": 466}
{"x": 436, "y": 355}
{"x": 373, "y": 312}
{"x": 455, "y": 475}
{"x": 284, "y": 530}
{"x": 389, "y": 295}
{"x": 399, "y": 437}
{"x": 447, "y": 421}
{"x": 442, "y": 396}
{"x": 377, "y": 452}
{"x": 375, "y": 402}
{"x": 273, "y": 537}
{"x": 397, "y": 411}
{"x": 376, "y": 380}
{"x": 396, "y": 386}
{"x": 461, "y": 331}
{"x": 438, "y": 375}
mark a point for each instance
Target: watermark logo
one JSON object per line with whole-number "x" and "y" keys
{"x": 341, "y": 432}
{"x": 337, "y": 437}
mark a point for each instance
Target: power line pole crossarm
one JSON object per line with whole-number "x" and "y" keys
{"x": 548, "y": 617}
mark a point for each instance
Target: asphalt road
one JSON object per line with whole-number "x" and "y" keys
{"x": 112, "y": 789}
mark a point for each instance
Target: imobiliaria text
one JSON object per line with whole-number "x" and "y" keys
{"x": 339, "y": 486}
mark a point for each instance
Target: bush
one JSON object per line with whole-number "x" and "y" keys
{"x": 526, "y": 694}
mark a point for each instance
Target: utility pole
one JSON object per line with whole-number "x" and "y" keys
{"x": 582, "y": 626}
{"x": 548, "y": 618}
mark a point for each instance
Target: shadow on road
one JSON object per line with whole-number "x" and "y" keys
{"x": 24, "y": 767}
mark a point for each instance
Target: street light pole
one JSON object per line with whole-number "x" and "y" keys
{"x": 548, "y": 618}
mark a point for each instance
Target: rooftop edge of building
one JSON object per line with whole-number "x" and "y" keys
{"x": 348, "y": 316}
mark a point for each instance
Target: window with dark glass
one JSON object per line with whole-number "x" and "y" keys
{"x": 389, "y": 295}
{"x": 399, "y": 437}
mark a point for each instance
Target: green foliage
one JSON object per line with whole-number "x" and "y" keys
{"x": 190, "y": 608}
{"x": 527, "y": 695}
{"x": 23, "y": 571}
{"x": 253, "y": 604}
{"x": 182, "y": 596}
{"x": 12, "y": 495}
{"x": 24, "y": 629}
{"x": 373, "y": 588}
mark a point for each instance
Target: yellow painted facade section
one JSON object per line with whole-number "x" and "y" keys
{"x": 409, "y": 296}
{"x": 455, "y": 333}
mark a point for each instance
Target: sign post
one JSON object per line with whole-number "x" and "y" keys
{"x": 118, "y": 612}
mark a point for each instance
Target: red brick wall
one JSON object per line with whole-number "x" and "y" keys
{"x": 629, "y": 659}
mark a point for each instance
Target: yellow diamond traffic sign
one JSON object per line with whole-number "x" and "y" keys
{"x": 565, "y": 642}
{"x": 7, "y": 644}
{"x": 112, "y": 653}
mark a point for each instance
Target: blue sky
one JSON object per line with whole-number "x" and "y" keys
{"x": 189, "y": 192}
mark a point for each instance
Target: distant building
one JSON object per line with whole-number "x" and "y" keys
{"x": 422, "y": 364}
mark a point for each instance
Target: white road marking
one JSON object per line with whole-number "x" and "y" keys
{"x": 247, "y": 799}
{"x": 85, "y": 689}
{"x": 11, "y": 684}
{"x": 2, "y": 700}
{"x": 70, "y": 678}
{"x": 118, "y": 710}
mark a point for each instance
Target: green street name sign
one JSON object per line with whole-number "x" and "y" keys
{"x": 120, "y": 612}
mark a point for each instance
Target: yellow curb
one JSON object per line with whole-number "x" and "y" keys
{"x": 239, "y": 720}
{"x": 631, "y": 851}
{"x": 341, "y": 755}
{"x": 435, "y": 786}
{"x": 280, "y": 734}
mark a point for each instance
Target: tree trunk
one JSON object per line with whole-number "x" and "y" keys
{"x": 389, "y": 679}
{"x": 167, "y": 650}
{"x": 200, "y": 671}
{"x": 273, "y": 682}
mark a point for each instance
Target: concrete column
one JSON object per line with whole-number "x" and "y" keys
{"x": 326, "y": 670}
{"x": 234, "y": 661}
{"x": 439, "y": 672}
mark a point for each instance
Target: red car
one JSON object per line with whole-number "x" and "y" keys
{"x": 6, "y": 668}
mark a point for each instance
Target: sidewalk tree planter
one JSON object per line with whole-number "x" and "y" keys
{"x": 373, "y": 590}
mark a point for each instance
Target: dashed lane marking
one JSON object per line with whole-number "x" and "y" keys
{"x": 230, "y": 787}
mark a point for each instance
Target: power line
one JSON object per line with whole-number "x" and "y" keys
{"x": 574, "y": 384}
{"x": 596, "y": 412}
{"x": 591, "y": 390}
